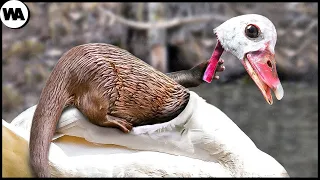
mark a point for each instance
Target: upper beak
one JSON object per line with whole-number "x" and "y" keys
{"x": 261, "y": 66}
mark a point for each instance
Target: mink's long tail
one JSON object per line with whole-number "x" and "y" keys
{"x": 53, "y": 99}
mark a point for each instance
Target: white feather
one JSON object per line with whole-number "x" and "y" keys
{"x": 200, "y": 134}
{"x": 73, "y": 159}
{"x": 232, "y": 37}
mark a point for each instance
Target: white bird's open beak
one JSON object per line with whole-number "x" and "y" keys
{"x": 261, "y": 66}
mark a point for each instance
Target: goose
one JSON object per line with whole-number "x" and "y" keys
{"x": 201, "y": 132}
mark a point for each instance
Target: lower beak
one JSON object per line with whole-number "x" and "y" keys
{"x": 261, "y": 66}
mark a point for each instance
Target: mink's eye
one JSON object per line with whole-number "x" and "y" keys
{"x": 252, "y": 31}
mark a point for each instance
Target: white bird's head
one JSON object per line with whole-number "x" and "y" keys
{"x": 251, "y": 38}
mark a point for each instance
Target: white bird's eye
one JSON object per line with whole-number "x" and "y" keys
{"x": 252, "y": 31}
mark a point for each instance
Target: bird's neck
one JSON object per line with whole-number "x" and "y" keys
{"x": 227, "y": 144}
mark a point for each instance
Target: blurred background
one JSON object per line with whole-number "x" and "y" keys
{"x": 287, "y": 130}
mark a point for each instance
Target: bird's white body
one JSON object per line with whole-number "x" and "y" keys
{"x": 201, "y": 142}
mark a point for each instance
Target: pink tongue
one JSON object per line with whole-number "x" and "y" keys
{"x": 213, "y": 63}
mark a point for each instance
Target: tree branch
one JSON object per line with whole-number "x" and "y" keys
{"x": 165, "y": 24}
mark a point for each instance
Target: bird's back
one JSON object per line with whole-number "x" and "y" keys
{"x": 15, "y": 155}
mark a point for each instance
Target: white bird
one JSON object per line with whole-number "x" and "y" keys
{"x": 251, "y": 38}
{"x": 201, "y": 141}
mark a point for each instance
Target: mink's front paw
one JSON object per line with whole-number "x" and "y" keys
{"x": 198, "y": 71}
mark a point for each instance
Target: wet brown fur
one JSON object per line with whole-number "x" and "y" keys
{"x": 111, "y": 87}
